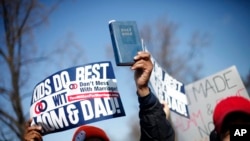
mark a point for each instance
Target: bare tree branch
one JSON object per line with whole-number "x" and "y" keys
{"x": 12, "y": 122}
{"x": 3, "y": 55}
{"x": 162, "y": 43}
{"x": 19, "y": 19}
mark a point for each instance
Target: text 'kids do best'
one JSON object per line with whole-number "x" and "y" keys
{"x": 76, "y": 96}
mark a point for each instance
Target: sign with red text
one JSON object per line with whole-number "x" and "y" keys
{"x": 202, "y": 98}
{"x": 76, "y": 96}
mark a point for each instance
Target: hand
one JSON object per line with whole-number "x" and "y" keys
{"x": 166, "y": 109}
{"x": 143, "y": 68}
{"x": 32, "y": 133}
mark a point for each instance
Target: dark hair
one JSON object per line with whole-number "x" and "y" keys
{"x": 214, "y": 136}
{"x": 234, "y": 118}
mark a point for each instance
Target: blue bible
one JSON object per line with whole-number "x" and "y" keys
{"x": 126, "y": 41}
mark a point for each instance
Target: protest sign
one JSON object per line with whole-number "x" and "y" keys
{"x": 203, "y": 95}
{"x": 76, "y": 96}
{"x": 169, "y": 89}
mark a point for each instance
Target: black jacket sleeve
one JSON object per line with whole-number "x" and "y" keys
{"x": 153, "y": 121}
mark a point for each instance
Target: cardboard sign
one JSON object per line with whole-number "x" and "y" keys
{"x": 169, "y": 89}
{"x": 203, "y": 95}
{"x": 76, "y": 96}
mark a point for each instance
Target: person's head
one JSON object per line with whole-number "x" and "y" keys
{"x": 233, "y": 110}
{"x": 89, "y": 133}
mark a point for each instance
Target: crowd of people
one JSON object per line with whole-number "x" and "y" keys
{"x": 153, "y": 115}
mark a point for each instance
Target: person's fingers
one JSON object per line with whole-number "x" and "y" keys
{"x": 142, "y": 64}
{"x": 27, "y": 124}
{"x": 33, "y": 135}
{"x": 142, "y": 55}
{"x": 142, "y": 61}
{"x": 166, "y": 109}
{"x": 37, "y": 136}
{"x": 34, "y": 127}
{"x": 139, "y": 64}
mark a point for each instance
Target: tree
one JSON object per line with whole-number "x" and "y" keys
{"x": 19, "y": 18}
{"x": 180, "y": 63}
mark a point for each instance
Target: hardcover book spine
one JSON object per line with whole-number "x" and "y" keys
{"x": 115, "y": 48}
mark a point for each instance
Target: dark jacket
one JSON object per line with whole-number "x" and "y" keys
{"x": 153, "y": 122}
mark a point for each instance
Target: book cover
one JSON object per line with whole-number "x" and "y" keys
{"x": 126, "y": 41}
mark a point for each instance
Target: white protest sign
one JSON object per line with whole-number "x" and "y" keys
{"x": 169, "y": 89}
{"x": 76, "y": 96}
{"x": 203, "y": 96}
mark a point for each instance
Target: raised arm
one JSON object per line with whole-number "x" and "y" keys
{"x": 153, "y": 122}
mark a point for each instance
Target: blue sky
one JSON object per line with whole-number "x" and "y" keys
{"x": 227, "y": 23}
